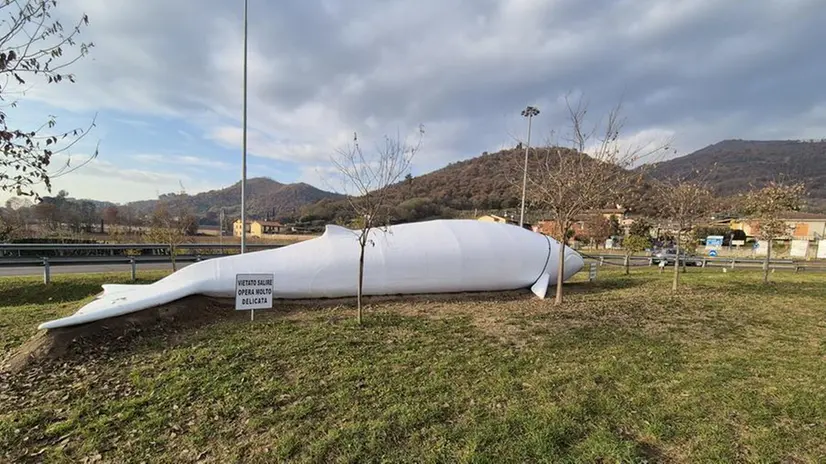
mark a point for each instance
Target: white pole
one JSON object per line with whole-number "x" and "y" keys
{"x": 221, "y": 229}
{"x": 525, "y": 175}
{"x": 244, "y": 146}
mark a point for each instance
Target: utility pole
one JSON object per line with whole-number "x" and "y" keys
{"x": 529, "y": 113}
{"x": 244, "y": 146}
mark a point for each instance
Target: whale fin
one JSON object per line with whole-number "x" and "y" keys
{"x": 331, "y": 230}
{"x": 540, "y": 288}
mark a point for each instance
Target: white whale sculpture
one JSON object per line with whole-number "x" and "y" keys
{"x": 440, "y": 256}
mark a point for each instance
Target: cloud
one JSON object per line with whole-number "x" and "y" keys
{"x": 182, "y": 160}
{"x": 107, "y": 181}
{"x": 267, "y": 146}
{"x": 700, "y": 70}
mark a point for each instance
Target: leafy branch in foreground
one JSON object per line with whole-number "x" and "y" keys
{"x": 33, "y": 44}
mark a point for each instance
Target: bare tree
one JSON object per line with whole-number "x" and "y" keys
{"x": 766, "y": 205}
{"x": 633, "y": 244}
{"x": 33, "y": 44}
{"x": 15, "y": 218}
{"x": 9, "y": 225}
{"x": 597, "y": 229}
{"x": 171, "y": 225}
{"x": 567, "y": 182}
{"x": 110, "y": 215}
{"x": 684, "y": 203}
{"x": 364, "y": 179}
{"x": 19, "y": 203}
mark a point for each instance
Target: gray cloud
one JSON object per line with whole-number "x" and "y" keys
{"x": 702, "y": 69}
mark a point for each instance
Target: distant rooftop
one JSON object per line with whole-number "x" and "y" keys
{"x": 803, "y": 216}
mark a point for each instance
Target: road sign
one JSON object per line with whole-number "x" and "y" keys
{"x": 799, "y": 248}
{"x": 713, "y": 253}
{"x": 714, "y": 241}
{"x": 253, "y": 291}
{"x": 592, "y": 272}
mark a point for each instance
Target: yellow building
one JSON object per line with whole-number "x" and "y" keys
{"x": 257, "y": 228}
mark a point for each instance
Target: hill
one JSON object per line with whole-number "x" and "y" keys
{"x": 484, "y": 183}
{"x": 265, "y": 198}
{"x": 734, "y": 166}
{"x": 490, "y": 183}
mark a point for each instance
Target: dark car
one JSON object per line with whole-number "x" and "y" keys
{"x": 669, "y": 255}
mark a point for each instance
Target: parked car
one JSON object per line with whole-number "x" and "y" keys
{"x": 669, "y": 255}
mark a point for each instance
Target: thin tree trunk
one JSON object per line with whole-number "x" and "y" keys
{"x": 627, "y": 264}
{"x": 361, "y": 282}
{"x": 560, "y": 268}
{"x": 766, "y": 262}
{"x": 172, "y": 256}
{"x": 676, "y": 281}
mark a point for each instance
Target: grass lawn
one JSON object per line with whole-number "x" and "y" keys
{"x": 727, "y": 370}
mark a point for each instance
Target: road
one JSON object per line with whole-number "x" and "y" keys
{"x": 84, "y": 269}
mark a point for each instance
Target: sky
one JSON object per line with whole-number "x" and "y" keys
{"x": 163, "y": 82}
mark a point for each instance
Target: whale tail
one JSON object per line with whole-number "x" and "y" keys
{"x": 117, "y": 300}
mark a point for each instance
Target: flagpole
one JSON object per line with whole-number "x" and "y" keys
{"x": 244, "y": 146}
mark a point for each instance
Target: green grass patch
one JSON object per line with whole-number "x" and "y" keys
{"x": 727, "y": 370}
{"x": 25, "y": 302}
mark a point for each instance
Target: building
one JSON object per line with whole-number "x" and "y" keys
{"x": 802, "y": 226}
{"x": 502, "y": 220}
{"x": 580, "y": 225}
{"x": 258, "y": 228}
{"x": 618, "y": 213}
{"x": 210, "y": 230}
{"x": 494, "y": 218}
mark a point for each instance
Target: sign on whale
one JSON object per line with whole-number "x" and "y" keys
{"x": 439, "y": 256}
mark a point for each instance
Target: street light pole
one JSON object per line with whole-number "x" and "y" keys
{"x": 529, "y": 113}
{"x": 244, "y": 146}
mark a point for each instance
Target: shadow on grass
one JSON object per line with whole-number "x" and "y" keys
{"x": 606, "y": 284}
{"x": 18, "y": 292}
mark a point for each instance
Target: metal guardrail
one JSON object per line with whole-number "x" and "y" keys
{"x": 48, "y": 255}
{"x": 40, "y": 248}
{"x": 719, "y": 262}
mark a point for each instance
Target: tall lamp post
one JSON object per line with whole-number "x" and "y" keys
{"x": 529, "y": 113}
{"x": 244, "y": 146}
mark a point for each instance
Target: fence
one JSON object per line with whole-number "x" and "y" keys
{"x": 719, "y": 262}
{"x": 48, "y": 255}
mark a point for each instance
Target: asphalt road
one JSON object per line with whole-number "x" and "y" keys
{"x": 84, "y": 269}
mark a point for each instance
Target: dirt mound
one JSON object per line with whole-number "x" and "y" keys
{"x": 118, "y": 333}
